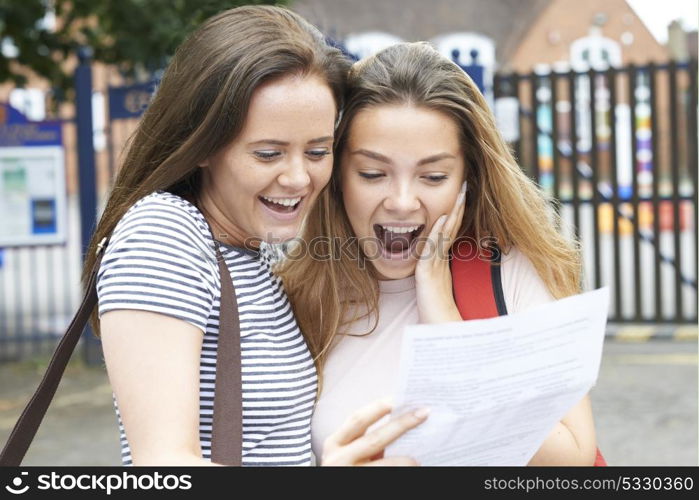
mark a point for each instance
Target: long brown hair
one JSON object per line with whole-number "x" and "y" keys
{"x": 503, "y": 204}
{"x": 203, "y": 98}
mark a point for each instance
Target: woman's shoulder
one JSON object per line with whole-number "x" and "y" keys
{"x": 159, "y": 260}
{"x": 162, "y": 204}
{"x": 522, "y": 285}
{"x": 514, "y": 259}
{"x": 516, "y": 267}
{"x": 165, "y": 215}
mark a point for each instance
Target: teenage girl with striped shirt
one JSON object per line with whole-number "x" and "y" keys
{"x": 232, "y": 152}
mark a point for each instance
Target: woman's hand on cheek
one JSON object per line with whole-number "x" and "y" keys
{"x": 435, "y": 299}
{"x": 351, "y": 444}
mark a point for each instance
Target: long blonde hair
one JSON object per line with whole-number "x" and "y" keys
{"x": 502, "y": 202}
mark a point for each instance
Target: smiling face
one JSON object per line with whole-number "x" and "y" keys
{"x": 261, "y": 184}
{"x": 402, "y": 168}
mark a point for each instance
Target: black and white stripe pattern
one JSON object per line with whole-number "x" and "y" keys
{"x": 161, "y": 258}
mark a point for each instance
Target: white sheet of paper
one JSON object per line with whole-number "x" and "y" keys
{"x": 497, "y": 387}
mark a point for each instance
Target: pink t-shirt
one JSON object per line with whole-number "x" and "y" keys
{"x": 360, "y": 370}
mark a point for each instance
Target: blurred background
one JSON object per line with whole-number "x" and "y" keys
{"x": 597, "y": 99}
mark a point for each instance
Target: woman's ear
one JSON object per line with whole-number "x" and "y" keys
{"x": 204, "y": 163}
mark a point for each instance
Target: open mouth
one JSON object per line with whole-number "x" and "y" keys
{"x": 397, "y": 240}
{"x": 282, "y": 205}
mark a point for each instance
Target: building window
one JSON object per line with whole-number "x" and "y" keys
{"x": 595, "y": 51}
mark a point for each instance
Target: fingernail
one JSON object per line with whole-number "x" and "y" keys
{"x": 462, "y": 194}
{"x": 421, "y": 413}
{"x": 441, "y": 220}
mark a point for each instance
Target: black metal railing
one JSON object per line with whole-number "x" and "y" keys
{"x": 617, "y": 152}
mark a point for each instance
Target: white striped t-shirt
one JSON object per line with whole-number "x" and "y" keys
{"x": 161, "y": 258}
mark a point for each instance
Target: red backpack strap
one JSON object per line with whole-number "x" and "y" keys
{"x": 476, "y": 281}
{"x": 599, "y": 460}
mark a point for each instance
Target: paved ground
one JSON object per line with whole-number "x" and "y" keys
{"x": 645, "y": 407}
{"x": 645, "y": 403}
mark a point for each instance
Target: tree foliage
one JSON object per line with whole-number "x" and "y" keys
{"x": 137, "y": 36}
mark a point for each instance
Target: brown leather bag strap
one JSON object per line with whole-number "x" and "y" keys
{"x": 227, "y": 432}
{"x": 30, "y": 419}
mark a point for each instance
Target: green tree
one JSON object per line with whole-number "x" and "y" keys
{"x": 138, "y": 36}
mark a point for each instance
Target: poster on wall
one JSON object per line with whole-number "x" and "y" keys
{"x": 32, "y": 196}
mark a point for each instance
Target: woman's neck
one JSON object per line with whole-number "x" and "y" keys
{"x": 223, "y": 230}
{"x": 397, "y": 285}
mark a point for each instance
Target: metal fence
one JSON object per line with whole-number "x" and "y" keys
{"x": 617, "y": 152}
{"x": 39, "y": 293}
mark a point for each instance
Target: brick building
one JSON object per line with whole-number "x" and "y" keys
{"x": 511, "y": 35}
{"x": 525, "y": 33}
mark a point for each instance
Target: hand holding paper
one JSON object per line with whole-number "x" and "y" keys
{"x": 496, "y": 387}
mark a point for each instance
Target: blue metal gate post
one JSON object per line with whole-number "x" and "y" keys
{"x": 86, "y": 161}
{"x": 474, "y": 70}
